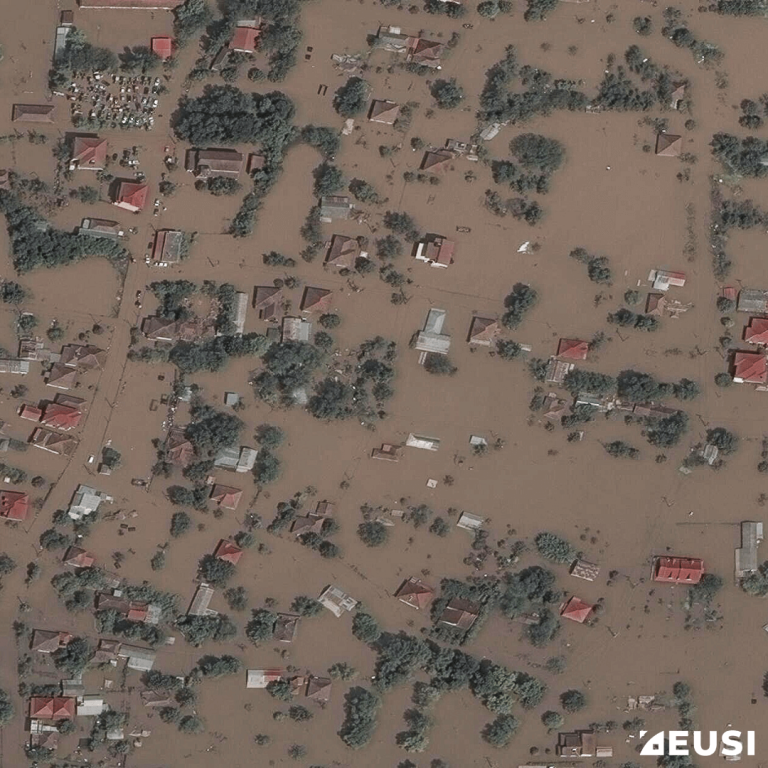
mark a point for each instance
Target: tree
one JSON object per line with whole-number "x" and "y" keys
{"x": 500, "y": 732}
{"x": 643, "y": 25}
{"x": 342, "y": 671}
{"x": 723, "y": 379}
{"x": 620, "y": 449}
{"x": 517, "y": 303}
{"x": 237, "y": 598}
{"x": 488, "y": 9}
{"x": 721, "y": 438}
{"x": 556, "y": 664}
{"x": 439, "y": 365}
{"x": 306, "y": 606}
{"x": 351, "y": 98}
{"x": 333, "y": 399}
{"x": 365, "y": 628}
{"x": 388, "y": 247}
{"x": 686, "y": 389}
{"x": 299, "y": 714}
{"x": 261, "y": 627}
{"x": 267, "y": 467}
{"x": 330, "y": 321}
{"x": 440, "y": 527}
{"x": 447, "y": 93}
{"x": 552, "y": 720}
{"x": 573, "y": 700}
{"x": 139, "y": 59}
{"x": 666, "y": 432}
{"x": 373, "y": 533}
{"x": 280, "y": 689}
{"x": 219, "y": 666}
{"x": 328, "y": 179}
{"x": 12, "y": 293}
{"x": 535, "y": 152}
{"x": 191, "y": 724}
{"x": 554, "y": 548}
{"x": 538, "y": 10}
{"x": 364, "y": 191}
{"x": 222, "y": 185}
{"x": 215, "y": 571}
{"x": 180, "y": 524}
{"x": 52, "y": 540}
{"x": 324, "y": 140}
{"x": 704, "y": 592}
{"x": 190, "y": 18}
{"x": 725, "y": 305}
{"x": 6, "y": 709}
{"x": 73, "y": 657}
{"x": 111, "y": 458}
{"x": 88, "y": 195}
{"x": 361, "y": 708}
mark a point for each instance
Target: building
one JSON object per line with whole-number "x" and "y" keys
{"x": 437, "y": 161}
{"x": 162, "y": 46}
{"x": 423, "y": 442}
{"x": 255, "y": 162}
{"x": 383, "y": 111}
{"x": 46, "y": 641}
{"x": 208, "y": 163}
{"x": 746, "y": 555}
{"x": 483, "y": 331}
{"x": 678, "y": 570}
{"x": 261, "y": 678}
{"x": 133, "y": 5}
{"x": 268, "y": 301}
{"x": 14, "y": 505}
{"x": 583, "y": 569}
{"x": 436, "y": 251}
{"x": 750, "y": 368}
{"x": 662, "y": 279}
{"x": 557, "y": 370}
{"x": 100, "y": 228}
{"x": 668, "y": 145}
{"x": 319, "y": 689}
{"x": 84, "y": 357}
{"x": 415, "y": 593}
{"x": 245, "y": 39}
{"x": 387, "y": 452}
{"x": 335, "y": 208}
{"x": 170, "y": 247}
{"x": 53, "y": 442}
{"x": 572, "y": 349}
{"x": 131, "y": 195}
{"x": 336, "y": 601}
{"x": 32, "y": 113}
{"x": 228, "y": 551}
{"x": 343, "y": 252}
{"x": 393, "y": 39}
{"x": 85, "y": 501}
{"x": 63, "y": 417}
{"x": 89, "y": 153}
{"x": 581, "y": 744}
{"x": 140, "y": 659}
{"x": 752, "y": 300}
{"x": 757, "y": 331}
{"x": 469, "y": 522}
{"x": 431, "y": 338}
{"x": 52, "y": 707}
{"x": 236, "y": 459}
{"x": 459, "y": 613}
{"x": 425, "y": 53}
{"x": 296, "y": 329}
{"x": 286, "y": 626}
{"x": 201, "y": 601}
{"x": 61, "y": 377}
{"x": 576, "y": 610}
{"x": 316, "y": 300}
{"x": 90, "y": 706}
{"x": 178, "y": 448}
{"x": 677, "y": 96}
{"x": 10, "y": 365}
{"x": 225, "y": 496}
{"x": 75, "y": 557}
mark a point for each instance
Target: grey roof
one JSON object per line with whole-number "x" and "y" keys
{"x": 437, "y": 343}
{"x": 335, "y": 207}
{"x": 435, "y": 320}
{"x": 227, "y": 458}
{"x": 746, "y": 555}
{"x": 752, "y": 300}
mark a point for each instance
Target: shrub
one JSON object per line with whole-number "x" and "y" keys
{"x": 439, "y": 365}
{"x": 643, "y": 25}
{"x": 573, "y": 700}
{"x": 373, "y": 533}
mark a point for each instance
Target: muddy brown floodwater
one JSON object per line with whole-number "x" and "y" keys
{"x": 610, "y": 197}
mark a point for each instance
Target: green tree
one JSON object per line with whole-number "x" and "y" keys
{"x": 373, "y": 533}
{"x": 365, "y": 628}
{"x": 573, "y": 700}
{"x": 447, "y": 93}
{"x": 351, "y": 98}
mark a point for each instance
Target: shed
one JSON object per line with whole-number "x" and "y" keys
{"x": 337, "y": 601}
{"x": 746, "y": 555}
{"x": 470, "y": 522}
{"x": 582, "y": 569}
{"x": 261, "y": 678}
{"x": 423, "y": 442}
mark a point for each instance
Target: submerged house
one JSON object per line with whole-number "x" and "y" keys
{"x": 678, "y": 570}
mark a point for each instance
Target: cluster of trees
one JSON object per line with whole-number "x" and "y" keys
{"x": 110, "y": 622}
{"x": 626, "y": 318}
{"x": 742, "y": 156}
{"x": 538, "y": 155}
{"x": 756, "y": 583}
{"x": 705, "y": 591}
{"x": 621, "y": 450}
{"x": 538, "y": 10}
{"x": 643, "y": 387}
{"x": 218, "y": 185}
{"x": 35, "y": 244}
{"x": 677, "y": 31}
{"x": 210, "y": 431}
{"x": 189, "y": 19}
{"x": 213, "y": 354}
{"x": 12, "y": 293}
{"x": 139, "y": 60}
{"x": 589, "y": 381}
{"x": 727, "y": 442}
{"x": 533, "y": 591}
{"x": 520, "y": 208}
{"x": 490, "y": 9}
{"x": 219, "y": 666}
{"x": 554, "y": 547}
{"x": 364, "y": 191}
{"x": 667, "y": 431}
{"x": 402, "y": 224}
{"x": 452, "y": 10}
{"x": 447, "y": 93}
{"x": 517, "y": 304}
{"x": 199, "y": 629}
{"x": 361, "y": 708}
{"x": 79, "y": 57}
{"x": 597, "y": 266}
{"x": 740, "y": 7}
{"x": 76, "y": 589}
{"x": 6, "y": 709}
{"x": 753, "y": 112}
{"x": 351, "y": 98}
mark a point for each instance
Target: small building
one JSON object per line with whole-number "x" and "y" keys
{"x": 757, "y": 331}
{"x": 469, "y": 522}
{"x": 67, "y": 18}
{"x": 383, "y": 111}
{"x": 576, "y": 610}
{"x": 581, "y": 744}
{"x": 296, "y": 329}
{"x": 387, "y": 452}
{"x": 655, "y": 304}
{"x": 746, "y": 555}
{"x": 319, "y": 689}
{"x": 140, "y": 659}
{"x": 228, "y": 551}
{"x": 209, "y": 163}
{"x": 90, "y": 706}
{"x": 392, "y": 39}
{"x": 336, "y": 601}
{"x": 752, "y": 300}
{"x": 162, "y": 46}
{"x": 437, "y": 161}
{"x": 47, "y": 641}
{"x": 53, "y": 442}
{"x": 425, "y": 53}
{"x": 85, "y": 501}
{"x": 582, "y": 569}
{"x": 415, "y": 593}
{"x": 436, "y": 251}
{"x": 84, "y": 357}
{"x": 240, "y": 311}
{"x": 131, "y": 195}
{"x": 201, "y": 601}
{"x": 61, "y": 377}
{"x": 32, "y": 113}
{"x": 431, "y": 338}
{"x": 267, "y": 301}
{"x": 572, "y": 349}
{"x": 261, "y": 678}
{"x": 286, "y": 626}
{"x": 11, "y": 365}
{"x": 343, "y": 252}
{"x": 52, "y": 707}
{"x": 316, "y": 300}
{"x": 677, "y": 95}
{"x": 178, "y": 448}
{"x": 75, "y": 557}
{"x": 750, "y": 368}
{"x": 557, "y": 370}
{"x": 225, "y": 496}
{"x": 459, "y": 613}
{"x": 335, "y": 208}
{"x": 483, "y": 331}
{"x": 662, "y": 279}
{"x": 89, "y": 153}
{"x": 170, "y": 247}
{"x": 245, "y": 39}
{"x": 678, "y": 570}
{"x": 255, "y": 162}
{"x": 236, "y": 459}
{"x": 100, "y": 228}
{"x": 423, "y": 442}
{"x": 14, "y": 505}
{"x": 668, "y": 145}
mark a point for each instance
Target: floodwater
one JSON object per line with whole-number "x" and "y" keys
{"x": 610, "y": 197}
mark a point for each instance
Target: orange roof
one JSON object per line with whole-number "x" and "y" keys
{"x": 679, "y": 570}
{"x": 750, "y": 367}
{"x": 576, "y": 610}
{"x": 132, "y": 195}
{"x": 162, "y": 46}
{"x": 137, "y": 612}
{"x": 416, "y": 593}
{"x": 89, "y": 151}
{"x": 573, "y": 349}
{"x": 228, "y": 551}
{"x": 757, "y": 331}
{"x": 14, "y": 505}
{"x": 245, "y": 39}
{"x": 30, "y": 412}
{"x": 225, "y": 496}
{"x": 61, "y": 416}
{"x": 52, "y": 708}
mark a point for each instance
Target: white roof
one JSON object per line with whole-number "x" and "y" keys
{"x": 423, "y": 442}
{"x": 470, "y": 522}
{"x": 336, "y": 601}
{"x": 435, "y": 320}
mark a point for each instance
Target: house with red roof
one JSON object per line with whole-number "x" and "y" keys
{"x": 52, "y": 707}
{"x": 131, "y": 196}
{"x": 576, "y": 609}
{"x": 750, "y": 368}
{"x": 316, "y": 300}
{"x": 415, "y": 593}
{"x": 483, "y": 331}
{"x": 572, "y": 349}
{"x": 225, "y": 496}
{"x": 31, "y": 412}
{"x": 14, "y": 505}
{"x": 228, "y": 551}
{"x": 245, "y": 39}
{"x": 678, "y": 570}
{"x": 178, "y": 447}
{"x": 436, "y": 251}
{"x": 162, "y": 46}
{"x": 63, "y": 417}
{"x": 757, "y": 331}
{"x": 89, "y": 153}
{"x": 76, "y": 557}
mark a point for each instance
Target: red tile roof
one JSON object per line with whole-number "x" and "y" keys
{"x": 573, "y": 349}
{"x": 416, "y": 593}
{"x": 52, "y": 708}
{"x": 89, "y": 151}
{"x": 30, "y": 412}
{"x": 576, "y": 610}
{"x": 245, "y": 39}
{"x": 757, "y": 331}
{"x": 163, "y": 46}
{"x": 132, "y": 194}
{"x": 228, "y": 551}
{"x": 137, "y": 612}
{"x": 679, "y": 570}
{"x": 226, "y": 497}
{"x": 61, "y": 416}
{"x": 14, "y": 505}
{"x": 750, "y": 367}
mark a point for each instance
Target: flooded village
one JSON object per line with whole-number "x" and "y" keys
{"x": 381, "y": 382}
